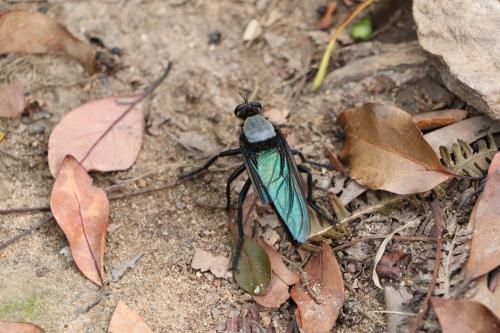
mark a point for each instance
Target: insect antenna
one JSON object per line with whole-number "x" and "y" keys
{"x": 244, "y": 94}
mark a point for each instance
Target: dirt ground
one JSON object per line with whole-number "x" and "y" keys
{"x": 191, "y": 117}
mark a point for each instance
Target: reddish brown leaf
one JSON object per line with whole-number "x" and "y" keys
{"x": 277, "y": 116}
{"x": 97, "y": 136}
{"x": 11, "y": 100}
{"x": 82, "y": 212}
{"x": 278, "y": 266}
{"x": 276, "y": 293}
{"x": 485, "y": 248}
{"x": 36, "y": 33}
{"x": 487, "y": 291}
{"x": 388, "y": 266}
{"x": 468, "y": 130}
{"x": 387, "y": 151}
{"x": 335, "y": 162}
{"x": 435, "y": 119}
{"x": 126, "y": 320}
{"x": 319, "y": 302}
{"x": 327, "y": 19}
{"x": 19, "y": 328}
{"x": 464, "y": 316}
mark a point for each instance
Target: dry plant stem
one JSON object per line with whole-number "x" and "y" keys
{"x": 148, "y": 92}
{"x": 320, "y": 76}
{"x": 26, "y": 232}
{"x": 437, "y": 213}
{"x": 371, "y": 237}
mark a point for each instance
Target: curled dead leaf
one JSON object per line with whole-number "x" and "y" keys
{"x": 387, "y": 151}
{"x": 320, "y": 298}
{"x": 487, "y": 291}
{"x": 464, "y": 316}
{"x": 388, "y": 266}
{"x": 36, "y": 33}
{"x": 98, "y": 136}
{"x": 485, "y": 248}
{"x": 82, "y": 212}
{"x": 126, "y": 320}
{"x": 11, "y": 100}
{"x": 19, "y": 328}
{"x": 435, "y": 119}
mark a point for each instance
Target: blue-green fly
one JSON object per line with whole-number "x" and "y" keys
{"x": 273, "y": 173}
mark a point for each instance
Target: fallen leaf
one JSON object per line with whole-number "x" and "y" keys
{"x": 318, "y": 313}
{"x": 277, "y": 116}
{"x": 82, "y": 212}
{"x": 467, "y": 130}
{"x": 11, "y": 100}
{"x": 351, "y": 192}
{"x": 278, "y": 266}
{"x": 327, "y": 18}
{"x": 126, "y": 320}
{"x": 19, "y": 328}
{"x": 120, "y": 268}
{"x": 387, "y": 151}
{"x": 36, "y": 33}
{"x": 206, "y": 261}
{"x": 381, "y": 251}
{"x": 276, "y": 294}
{"x": 253, "y": 273}
{"x": 464, "y": 316}
{"x": 96, "y": 133}
{"x": 487, "y": 291}
{"x": 388, "y": 265}
{"x": 193, "y": 140}
{"x": 485, "y": 247}
{"x": 434, "y": 119}
{"x": 335, "y": 162}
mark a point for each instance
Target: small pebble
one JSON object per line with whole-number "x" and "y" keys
{"x": 214, "y": 37}
{"x": 351, "y": 268}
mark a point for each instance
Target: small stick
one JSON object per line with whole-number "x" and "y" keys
{"x": 371, "y": 237}
{"x": 437, "y": 213}
{"x": 26, "y": 232}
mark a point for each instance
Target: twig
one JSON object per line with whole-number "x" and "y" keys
{"x": 320, "y": 76}
{"x": 24, "y": 210}
{"x": 437, "y": 213}
{"x": 371, "y": 237}
{"x": 25, "y": 232}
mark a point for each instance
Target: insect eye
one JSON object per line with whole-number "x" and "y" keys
{"x": 255, "y": 105}
{"x": 239, "y": 108}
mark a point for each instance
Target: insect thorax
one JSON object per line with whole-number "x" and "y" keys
{"x": 258, "y": 129}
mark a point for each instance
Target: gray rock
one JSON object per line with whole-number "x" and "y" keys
{"x": 463, "y": 36}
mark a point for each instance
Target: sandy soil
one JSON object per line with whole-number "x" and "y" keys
{"x": 38, "y": 282}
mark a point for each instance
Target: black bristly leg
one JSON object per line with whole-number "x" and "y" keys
{"x": 239, "y": 223}
{"x": 230, "y": 179}
{"x": 310, "y": 200}
{"x": 229, "y": 152}
{"x": 305, "y": 160}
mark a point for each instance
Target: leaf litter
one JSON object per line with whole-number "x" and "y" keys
{"x": 11, "y": 100}
{"x": 206, "y": 261}
{"x": 126, "y": 320}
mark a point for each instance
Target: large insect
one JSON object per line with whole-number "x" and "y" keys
{"x": 273, "y": 172}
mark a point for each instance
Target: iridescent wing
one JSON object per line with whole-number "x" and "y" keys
{"x": 276, "y": 179}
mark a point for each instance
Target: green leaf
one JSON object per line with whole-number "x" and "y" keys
{"x": 362, "y": 30}
{"x": 253, "y": 273}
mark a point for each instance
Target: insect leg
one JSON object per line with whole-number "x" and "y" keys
{"x": 239, "y": 222}
{"x": 230, "y": 179}
{"x": 305, "y": 160}
{"x": 192, "y": 174}
{"x": 310, "y": 200}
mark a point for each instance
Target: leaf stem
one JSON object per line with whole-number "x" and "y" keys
{"x": 320, "y": 76}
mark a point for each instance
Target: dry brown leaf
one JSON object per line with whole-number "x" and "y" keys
{"x": 276, "y": 294}
{"x": 82, "y": 212}
{"x": 278, "y": 266}
{"x": 277, "y": 116}
{"x": 388, "y": 266}
{"x": 19, "y": 328}
{"x": 335, "y": 162}
{"x": 464, "y": 316}
{"x": 387, "y": 151}
{"x": 487, "y": 291}
{"x": 485, "y": 248}
{"x": 204, "y": 261}
{"x": 11, "y": 100}
{"x": 320, "y": 299}
{"x": 435, "y": 119}
{"x": 95, "y": 133}
{"x": 126, "y": 320}
{"x": 467, "y": 130}
{"x": 36, "y": 33}
{"x": 327, "y": 19}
